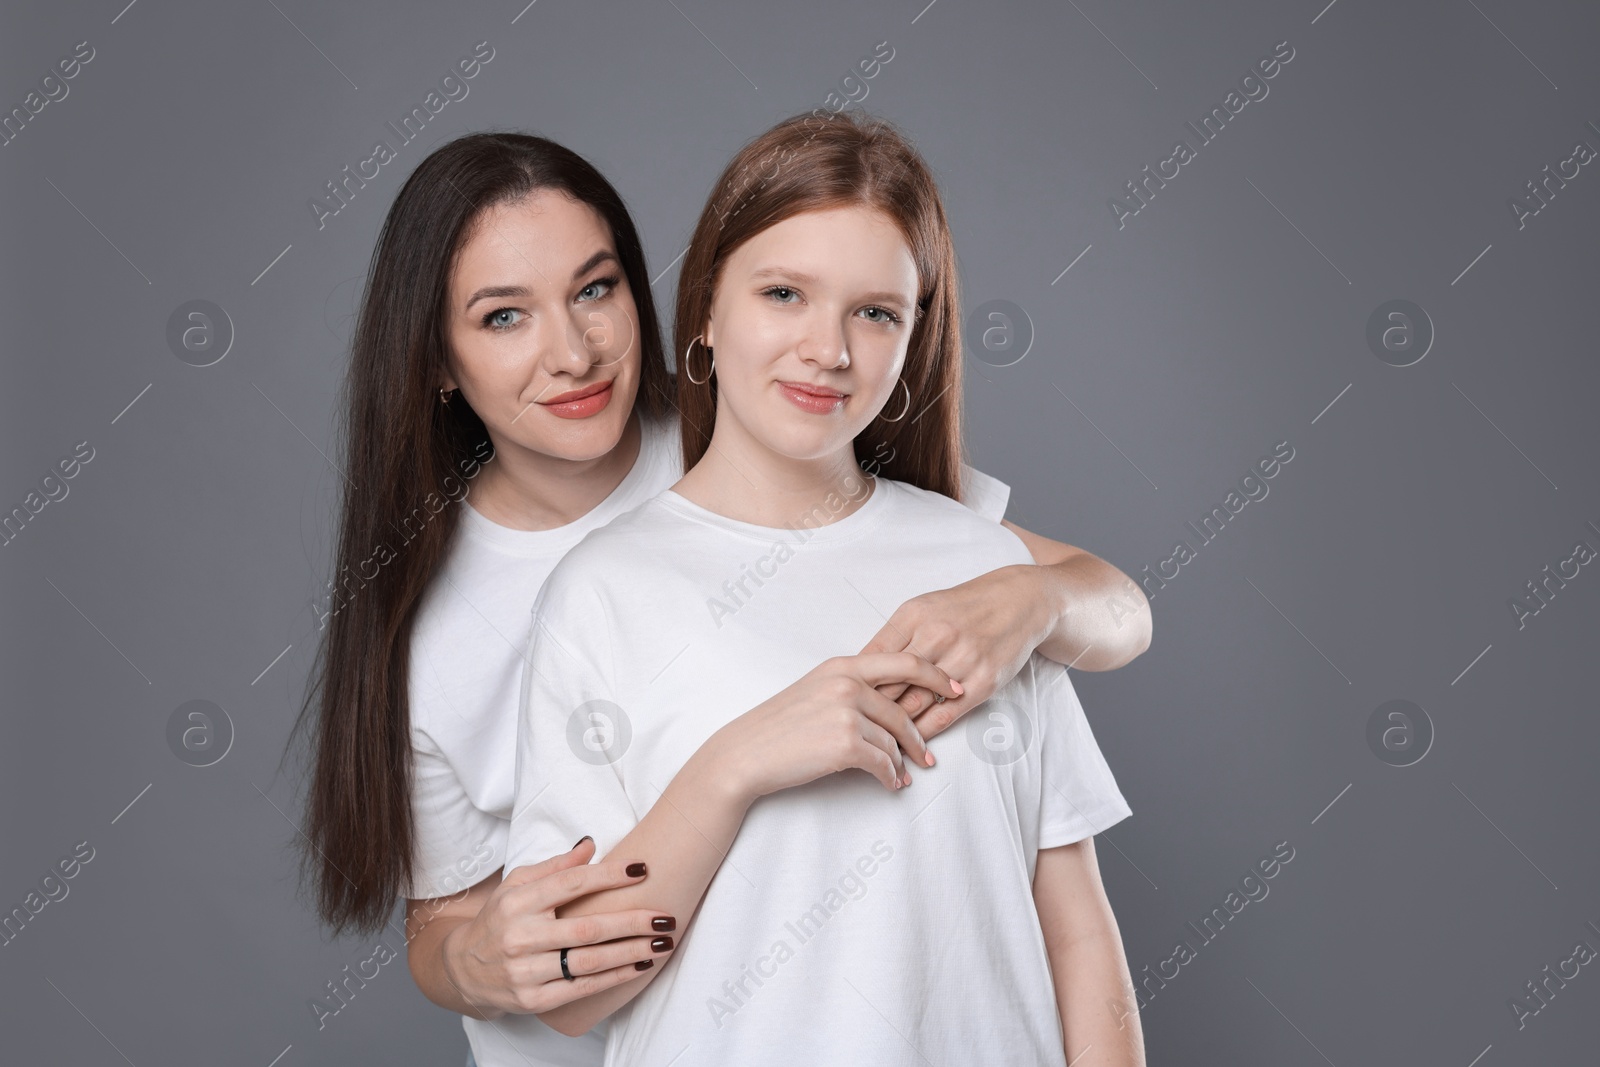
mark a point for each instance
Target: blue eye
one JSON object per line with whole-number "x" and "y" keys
{"x": 598, "y": 288}
{"x": 886, "y": 317}
{"x": 495, "y": 319}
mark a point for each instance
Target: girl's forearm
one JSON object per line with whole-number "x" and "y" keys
{"x": 1099, "y": 1017}
{"x": 682, "y": 840}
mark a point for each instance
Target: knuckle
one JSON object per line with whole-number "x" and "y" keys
{"x": 585, "y": 931}
{"x": 841, "y": 687}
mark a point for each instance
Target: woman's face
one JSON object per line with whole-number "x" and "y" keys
{"x": 544, "y": 336}
{"x": 810, "y": 323}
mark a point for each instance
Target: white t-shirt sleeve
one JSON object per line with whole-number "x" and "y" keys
{"x": 1079, "y": 797}
{"x": 456, "y": 844}
{"x": 571, "y": 733}
{"x": 985, "y": 495}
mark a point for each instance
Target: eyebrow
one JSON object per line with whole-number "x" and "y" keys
{"x": 489, "y": 292}
{"x": 883, "y": 296}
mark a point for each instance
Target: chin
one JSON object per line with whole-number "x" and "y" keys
{"x": 808, "y": 442}
{"x": 577, "y": 440}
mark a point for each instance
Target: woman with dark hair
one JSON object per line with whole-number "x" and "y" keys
{"x": 508, "y": 346}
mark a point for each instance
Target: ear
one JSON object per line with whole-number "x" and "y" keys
{"x": 706, "y": 334}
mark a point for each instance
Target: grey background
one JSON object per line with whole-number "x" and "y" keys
{"x": 1224, "y": 318}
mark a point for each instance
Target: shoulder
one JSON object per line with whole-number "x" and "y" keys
{"x": 952, "y": 525}
{"x": 984, "y": 494}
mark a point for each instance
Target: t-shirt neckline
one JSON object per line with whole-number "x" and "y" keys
{"x": 868, "y": 515}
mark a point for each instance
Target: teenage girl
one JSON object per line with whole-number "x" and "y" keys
{"x": 836, "y": 918}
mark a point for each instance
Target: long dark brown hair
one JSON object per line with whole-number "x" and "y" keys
{"x": 809, "y": 163}
{"x": 407, "y": 459}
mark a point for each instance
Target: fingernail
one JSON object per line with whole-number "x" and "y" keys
{"x": 581, "y": 840}
{"x": 661, "y": 944}
{"x": 663, "y": 923}
{"x": 957, "y": 686}
{"x": 644, "y": 965}
{"x": 634, "y": 870}
{"x": 928, "y": 760}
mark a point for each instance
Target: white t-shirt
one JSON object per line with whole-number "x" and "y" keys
{"x": 467, "y": 650}
{"x": 848, "y": 923}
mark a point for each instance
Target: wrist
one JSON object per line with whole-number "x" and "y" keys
{"x": 718, "y": 774}
{"x": 451, "y": 948}
{"x": 1046, "y": 598}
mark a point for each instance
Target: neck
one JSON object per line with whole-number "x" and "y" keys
{"x": 743, "y": 479}
{"x": 529, "y": 490}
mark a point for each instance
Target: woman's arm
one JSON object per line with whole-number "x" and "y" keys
{"x": 1099, "y": 619}
{"x": 1094, "y": 992}
{"x": 494, "y": 949}
{"x": 1070, "y": 605}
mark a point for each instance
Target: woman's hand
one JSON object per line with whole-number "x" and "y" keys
{"x": 507, "y": 958}
{"x": 833, "y": 719}
{"x": 981, "y": 631}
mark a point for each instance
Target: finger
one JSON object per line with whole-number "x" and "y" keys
{"x": 892, "y": 638}
{"x": 595, "y": 959}
{"x": 935, "y": 720}
{"x": 564, "y": 886}
{"x": 884, "y": 667}
{"x": 580, "y": 853}
{"x": 894, "y": 690}
{"x": 561, "y": 991}
{"x": 880, "y": 756}
{"x": 892, "y": 718}
{"x": 603, "y": 926}
{"x": 915, "y": 700}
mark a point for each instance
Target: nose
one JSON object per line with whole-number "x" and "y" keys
{"x": 564, "y": 347}
{"x": 824, "y": 345}
{"x": 604, "y": 334}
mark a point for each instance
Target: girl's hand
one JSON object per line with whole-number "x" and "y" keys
{"x": 832, "y": 719}
{"x": 508, "y": 958}
{"x": 981, "y": 631}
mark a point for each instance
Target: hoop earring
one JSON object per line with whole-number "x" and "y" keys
{"x": 904, "y": 410}
{"x": 688, "y": 351}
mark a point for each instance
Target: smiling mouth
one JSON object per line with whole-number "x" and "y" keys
{"x": 578, "y": 394}
{"x": 580, "y": 403}
{"x": 817, "y": 399}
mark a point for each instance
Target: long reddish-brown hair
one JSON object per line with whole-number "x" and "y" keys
{"x": 810, "y": 163}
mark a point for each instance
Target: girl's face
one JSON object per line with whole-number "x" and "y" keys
{"x": 544, "y": 336}
{"x": 810, "y": 323}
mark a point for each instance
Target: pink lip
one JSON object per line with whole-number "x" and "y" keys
{"x": 580, "y": 403}
{"x": 817, "y": 399}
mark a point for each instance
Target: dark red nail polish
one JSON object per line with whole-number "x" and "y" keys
{"x": 663, "y": 923}
{"x": 661, "y": 944}
{"x": 644, "y": 965}
{"x": 634, "y": 870}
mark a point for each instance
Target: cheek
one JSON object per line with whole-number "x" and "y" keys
{"x": 489, "y": 366}
{"x": 610, "y": 331}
